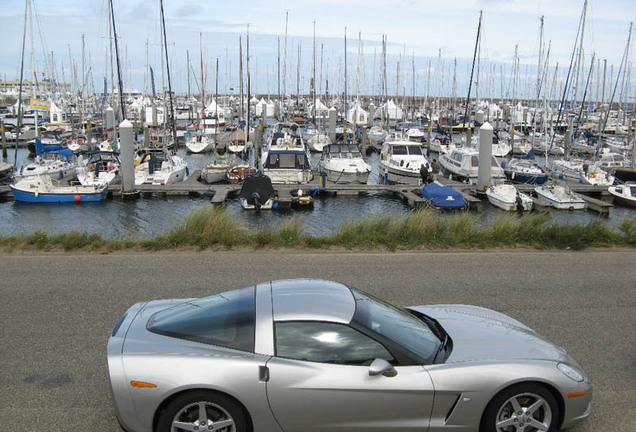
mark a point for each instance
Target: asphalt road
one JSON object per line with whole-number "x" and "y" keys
{"x": 57, "y": 311}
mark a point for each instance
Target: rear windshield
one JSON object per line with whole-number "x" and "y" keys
{"x": 225, "y": 319}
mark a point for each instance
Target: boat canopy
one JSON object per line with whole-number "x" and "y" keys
{"x": 443, "y": 196}
{"x": 257, "y": 188}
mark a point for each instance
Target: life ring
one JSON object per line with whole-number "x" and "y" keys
{"x": 80, "y": 141}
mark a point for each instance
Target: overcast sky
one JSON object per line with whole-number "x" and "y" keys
{"x": 416, "y": 31}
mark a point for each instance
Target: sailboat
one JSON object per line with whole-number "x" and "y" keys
{"x": 200, "y": 141}
{"x": 42, "y": 189}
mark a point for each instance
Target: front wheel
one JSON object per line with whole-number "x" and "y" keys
{"x": 202, "y": 411}
{"x": 522, "y": 408}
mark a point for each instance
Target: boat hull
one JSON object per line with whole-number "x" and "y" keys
{"x": 57, "y": 197}
{"x": 344, "y": 177}
{"x": 562, "y": 201}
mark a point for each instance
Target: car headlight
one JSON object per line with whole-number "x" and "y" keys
{"x": 571, "y": 372}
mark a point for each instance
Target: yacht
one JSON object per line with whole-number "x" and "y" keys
{"x": 462, "y": 164}
{"x": 624, "y": 194}
{"x": 401, "y": 161}
{"x": 285, "y": 159}
{"x": 343, "y": 163}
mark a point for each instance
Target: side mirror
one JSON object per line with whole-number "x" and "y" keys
{"x": 382, "y": 367}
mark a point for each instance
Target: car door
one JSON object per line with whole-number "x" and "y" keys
{"x": 319, "y": 380}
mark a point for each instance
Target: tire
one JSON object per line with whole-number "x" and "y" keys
{"x": 221, "y": 414}
{"x": 526, "y": 407}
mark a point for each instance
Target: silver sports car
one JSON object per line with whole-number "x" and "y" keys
{"x": 310, "y": 355}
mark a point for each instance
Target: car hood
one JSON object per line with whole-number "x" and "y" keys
{"x": 480, "y": 334}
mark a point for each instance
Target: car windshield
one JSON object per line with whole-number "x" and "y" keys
{"x": 225, "y": 319}
{"x": 395, "y": 324}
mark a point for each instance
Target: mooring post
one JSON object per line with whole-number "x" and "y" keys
{"x": 485, "y": 156}
{"x": 332, "y": 124}
{"x": 127, "y": 162}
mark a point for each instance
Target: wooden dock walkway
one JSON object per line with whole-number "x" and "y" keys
{"x": 220, "y": 193}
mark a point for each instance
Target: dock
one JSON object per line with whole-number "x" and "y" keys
{"x": 408, "y": 194}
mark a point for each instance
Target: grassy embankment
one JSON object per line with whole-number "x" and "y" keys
{"x": 212, "y": 228}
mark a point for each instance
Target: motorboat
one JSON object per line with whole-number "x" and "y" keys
{"x": 559, "y": 196}
{"x": 524, "y": 171}
{"x": 286, "y": 159}
{"x": 343, "y": 163}
{"x": 257, "y": 193}
{"x": 401, "y": 161}
{"x": 624, "y": 194}
{"x": 462, "y": 164}
{"x": 42, "y": 189}
{"x": 301, "y": 198}
{"x": 443, "y": 196}
{"x": 506, "y": 197}
{"x": 580, "y": 171}
{"x": 158, "y": 166}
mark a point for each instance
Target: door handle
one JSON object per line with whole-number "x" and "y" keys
{"x": 263, "y": 373}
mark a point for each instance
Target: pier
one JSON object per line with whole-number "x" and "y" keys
{"x": 219, "y": 193}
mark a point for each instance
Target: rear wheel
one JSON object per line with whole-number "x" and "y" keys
{"x": 202, "y": 411}
{"x": 522, "y": 408}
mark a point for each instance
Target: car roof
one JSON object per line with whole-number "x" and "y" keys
{"x": 312, "y": 300}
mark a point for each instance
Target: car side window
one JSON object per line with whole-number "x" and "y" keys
{"x": 327, "y": 343}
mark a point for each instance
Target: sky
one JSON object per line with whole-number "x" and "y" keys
{"x": 429, "y": 43}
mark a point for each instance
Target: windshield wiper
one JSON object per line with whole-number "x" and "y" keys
{"x": 441, "y": 347}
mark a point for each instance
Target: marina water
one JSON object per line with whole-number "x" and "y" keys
{"x": 148, "y": 217}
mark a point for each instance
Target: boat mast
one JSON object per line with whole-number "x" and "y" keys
{"x": 470, "y": 84}
{"x": 121, "y": 85}
{"x": 202, "y": 123}
{"x": 247, "y": 78}
{"x": 538, "y": 93}
{"x": 313, "y": 79}
{"x": 19, "y": 127}
{"x": 172, "y": 123}
{"x": 344, "y": 124}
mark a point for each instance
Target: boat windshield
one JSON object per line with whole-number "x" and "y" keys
{"x": 287, "y": 161}
{"x": 400, "y": 150}
{"x": 415, "y": 150}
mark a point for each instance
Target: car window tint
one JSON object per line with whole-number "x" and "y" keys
{"x": 396, "y": 325}
{"x": 225, "y": 319}
{"x": 327, "y": 343}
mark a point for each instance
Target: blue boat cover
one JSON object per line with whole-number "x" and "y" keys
{"x": 443, "y": 196}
